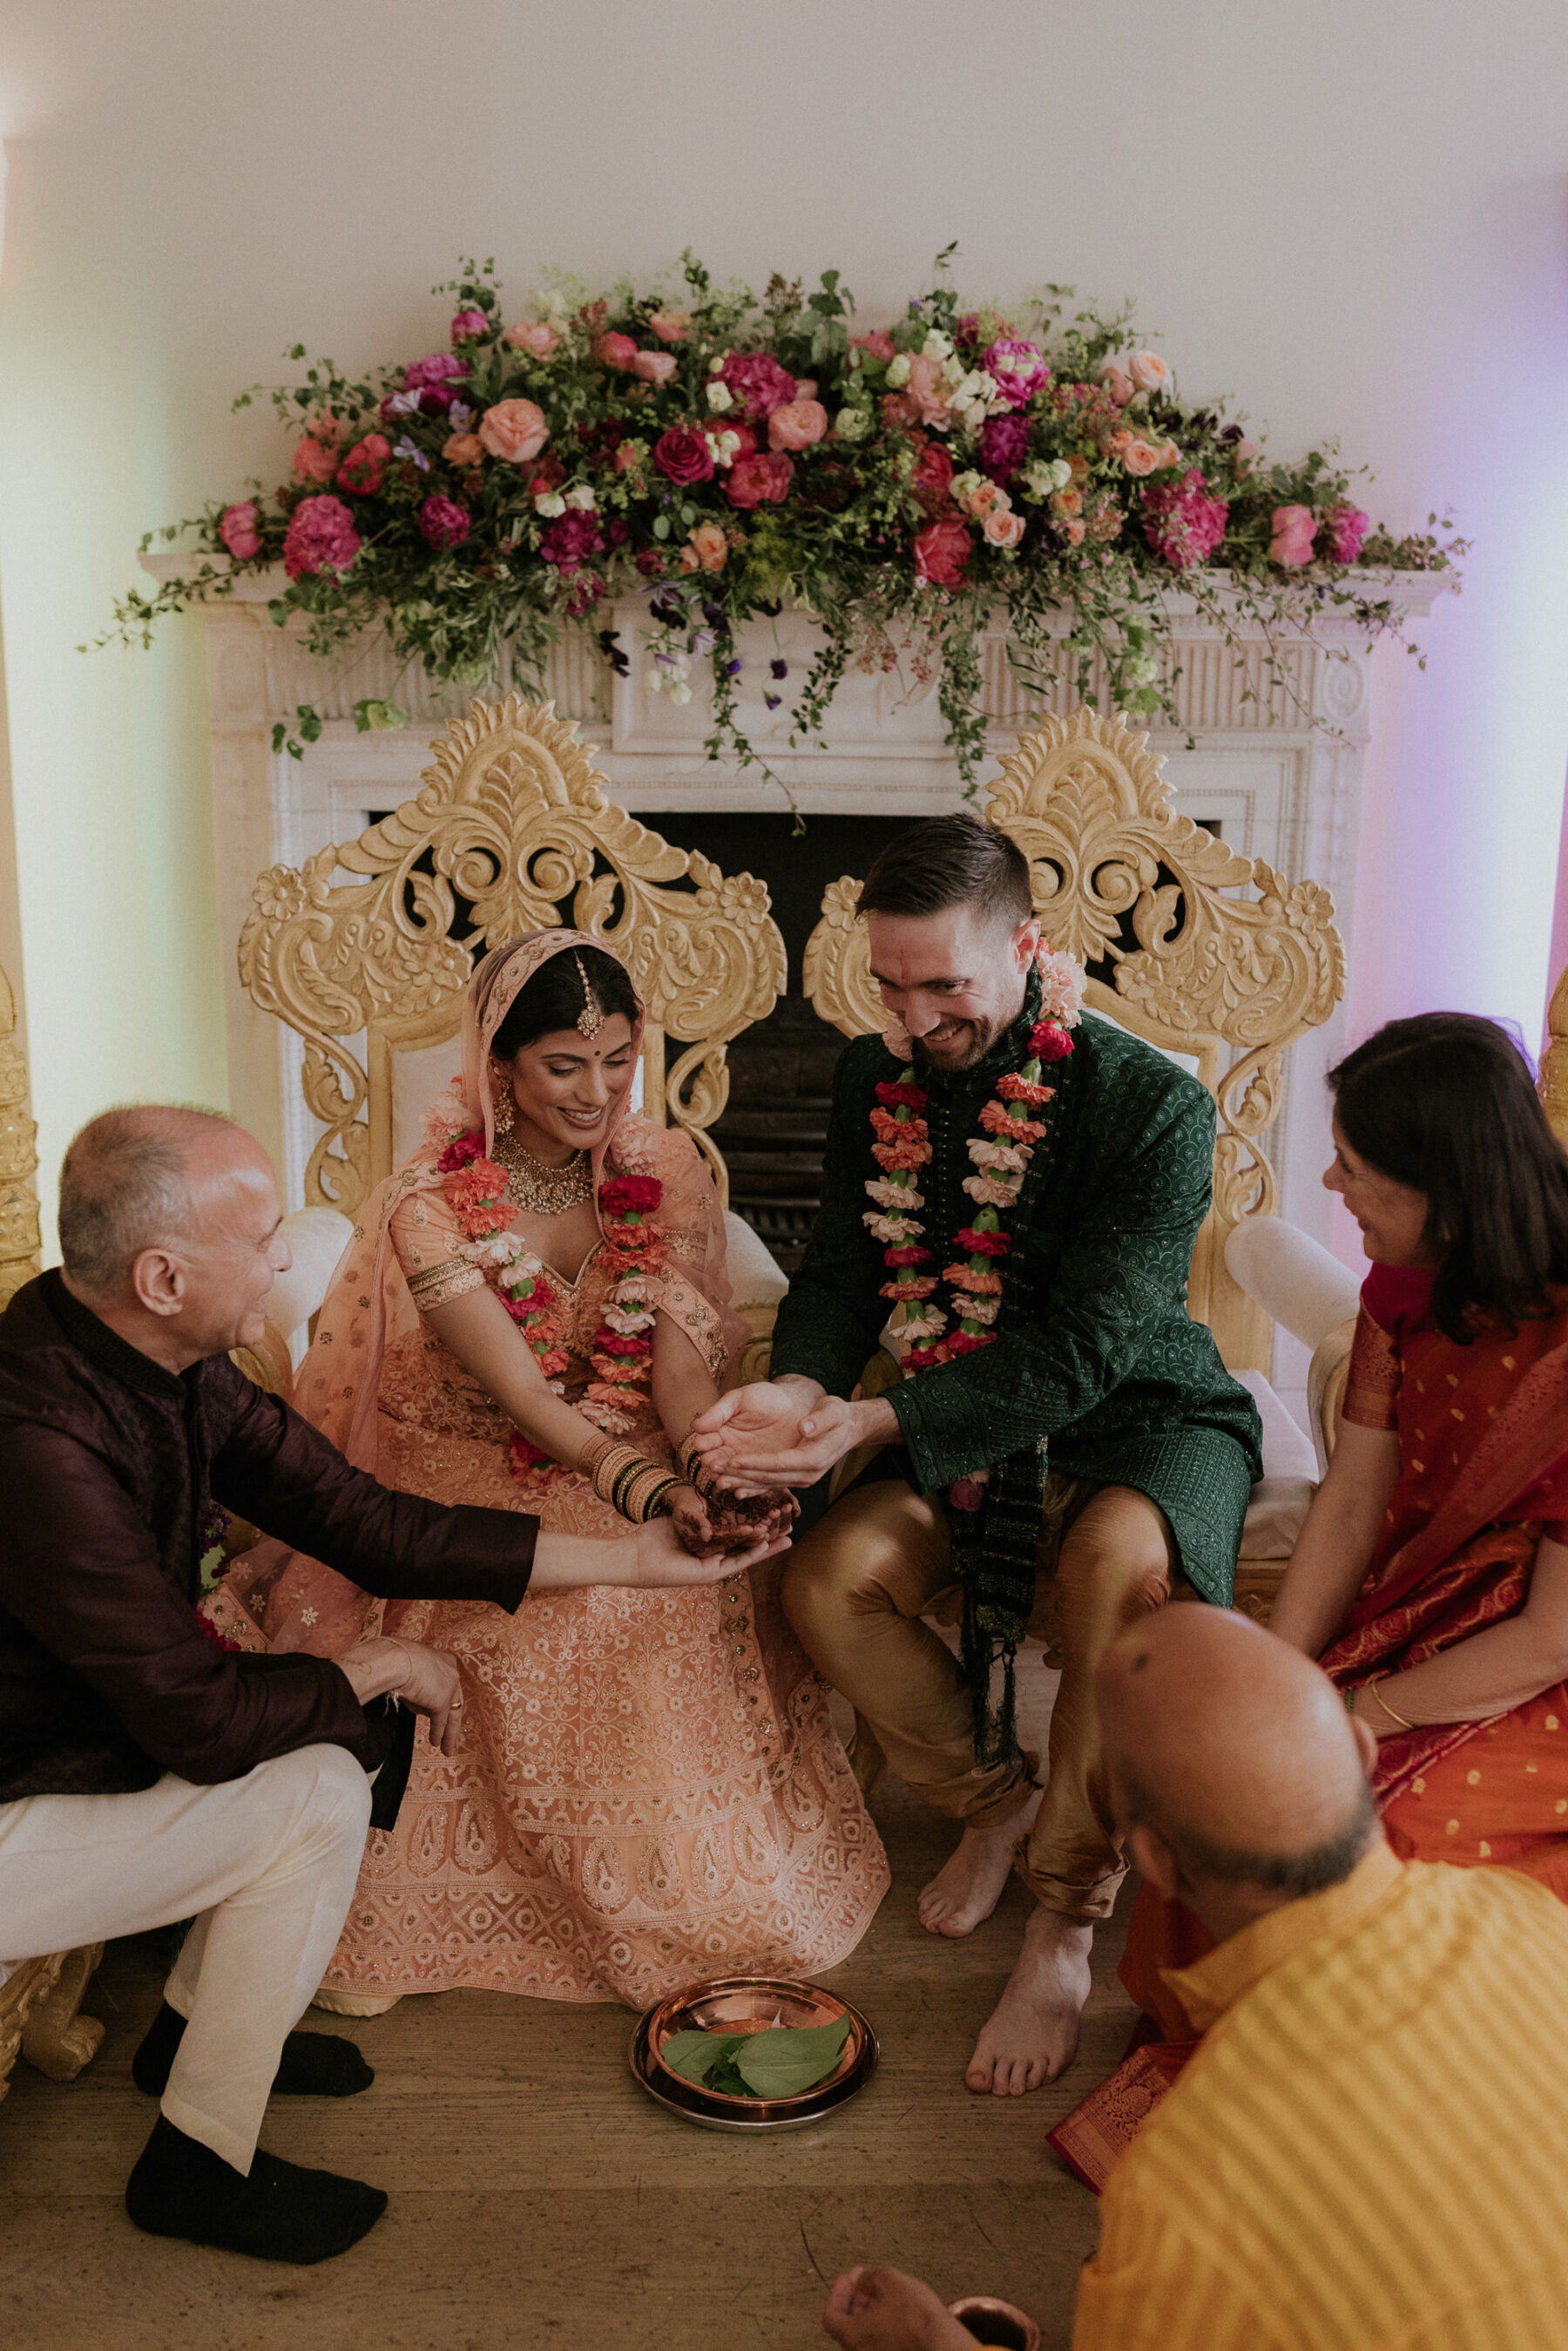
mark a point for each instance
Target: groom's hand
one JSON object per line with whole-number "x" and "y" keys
{"x": 786, "y": 1432}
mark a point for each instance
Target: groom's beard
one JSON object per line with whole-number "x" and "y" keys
{"x": 969, "y": 1042}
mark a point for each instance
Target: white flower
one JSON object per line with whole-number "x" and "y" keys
{"x": 719, "y": 397}
{"x": 582, "y": 496}
{"x": 679, "y": 691}
{"x": 1064, "y": 981}
{"x": 979, "y": 1309}
{"x": 897, "y": 1196}
{"x": 928, "y": 1325}
{"x": 307, "y": 1616}
{"x": 722, "y": 448}
{"x": 1001, "y": 1157}
{"x": 716, "y": 363}
{"x": 446, "y": 1118}
{"x": 964, "y": 486}
{"x": 853, "y": 424}
{"x": 936, "y": 346}
{"x": 550, "y": 502}
{"x": 885, "y": 1229}
{"x": 898, "y": 370}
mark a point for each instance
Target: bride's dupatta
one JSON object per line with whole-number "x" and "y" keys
{"x": 279, "y": 1599}
{"x": 1483, "y": 1436}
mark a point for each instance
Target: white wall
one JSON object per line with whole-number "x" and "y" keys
{"x": 1353, "y": 217}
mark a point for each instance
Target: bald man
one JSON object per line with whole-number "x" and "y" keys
{"x": 147, "y": 1775}
{"x": 1370, "y": 2144}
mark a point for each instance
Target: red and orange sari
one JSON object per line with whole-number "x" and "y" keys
{"x": 1483, "y": 1445}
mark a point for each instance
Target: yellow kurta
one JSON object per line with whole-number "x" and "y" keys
{"x": 1370, "y": 2148}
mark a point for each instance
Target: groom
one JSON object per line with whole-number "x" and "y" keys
{"x": 1077, "y": 1458}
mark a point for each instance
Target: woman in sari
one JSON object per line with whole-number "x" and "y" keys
{"x": 1430, "y": 1579}
{"x": 532, "y": 1313}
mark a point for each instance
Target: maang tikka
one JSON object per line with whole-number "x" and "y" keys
{"x": 590, "y": 1020}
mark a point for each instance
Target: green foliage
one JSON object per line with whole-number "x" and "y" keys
{"x": 780, "y": 2063}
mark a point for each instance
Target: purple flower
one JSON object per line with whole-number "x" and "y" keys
{"x": 779, "y": 668}
{"x": 570, "y": 539}
{"x": 416, "y": 456}
{"x": 444, "y": 523}
{"x": 1003, "y": 445}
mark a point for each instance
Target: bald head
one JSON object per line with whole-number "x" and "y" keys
{"x": 1233, "y": 1754}
{"x": 169, "y": 1229}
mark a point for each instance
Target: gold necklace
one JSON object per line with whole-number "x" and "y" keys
{"x": 548, "y": 1191}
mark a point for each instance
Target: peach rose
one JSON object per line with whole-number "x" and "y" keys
{"x": 708, "y": 546}
{"x": 463, "y": 449}
{"x": 1169, "y": 455}
{"x": 1139, "y": 458}
{"x": 925, "y": 376}
{"x": 533, "y": 336}
{"x": 654, "y": 366}
{"x": 513, "y": 429}
{"x": 1074, "y": 532}
{"x": 1003, "y": 529}
{"x": 670, "y": 326}
{"x": 1067, "y": 502}
{"x": 1149, "y": 371}
{"x": 798, "y": 425}
{"x": 986, "y": 498}
{"x": 315, "y": 458}
{"x": 1116, "y": 382}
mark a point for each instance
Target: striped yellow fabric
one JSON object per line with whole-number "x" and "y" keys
{"x": 1370, "y": 2147}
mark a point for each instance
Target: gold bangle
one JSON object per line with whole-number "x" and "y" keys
{"x": 1376, "y": 1684}
{"x": 694, "y": 1470}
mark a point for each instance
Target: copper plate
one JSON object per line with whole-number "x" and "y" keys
{"x": 730, "y": 2005}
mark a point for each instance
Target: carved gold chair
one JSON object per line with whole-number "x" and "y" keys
{"x": 510, "y": 831}
{"x": 1223, "y": 981}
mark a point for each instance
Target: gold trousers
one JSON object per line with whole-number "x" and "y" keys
{"x": 855, "y": 1590}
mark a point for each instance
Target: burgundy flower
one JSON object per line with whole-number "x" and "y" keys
{"x": 753, "y": 479}
{"x": 974, "y": 1243}
{"x": 1003, "y": 445}
{"x": 895, "y": 1095}
{"x": 462, "y": 1151}
{"x": 683, "y": 456}
{"x": 570, "y": 539}
{"x": 444, "y": 523}
{"x": 758, "y": 383}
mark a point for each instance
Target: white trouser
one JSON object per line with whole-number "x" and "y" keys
{"x": 267, "y": 1866}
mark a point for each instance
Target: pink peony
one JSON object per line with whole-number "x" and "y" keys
{"x": 1182, "y": 521}
{"x": 533, "y": 336}
{"x": 1346, "y": 527}
{"x": 942, "y": 551}
{"x": 798, "y": 425}
{"x": 469, "y": 325}
{"x": 315, "y": 458}
{"x": 654, "y": 366}
{"x": 430, "y": 377}
{"x": 1003, "y": 529}
{"x": 364, "y": 469}
{"x": 753, "y": 480}
{"x": 1016, "y": 369}
{"x": 683, "y": 456}
{"x": 670, "y": 326}
{"x": 1294, "y": 528}
{"x": 925, "y": 391}
{"x": 570, "y": 539}
{"x": 442, "y": 522}
{"x": 1003, "y": 445}
{"x": 513, "y": 429}
{"x": 240, "y": 530}
{"x": 616, "y": 350}
{"x": 758, "y": 383}
{"x": 878, "y": 345}
{"x": 321, "y": 536}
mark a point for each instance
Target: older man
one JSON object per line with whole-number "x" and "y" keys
{"x": 1370, "y": 2146}
{"x": 146, "y": 1775}
{"x": 1068, "y": 1453}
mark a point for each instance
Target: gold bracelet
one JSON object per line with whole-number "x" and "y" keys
{"x": 1376, "y": 1684}
{"x": 634, "y": 1487}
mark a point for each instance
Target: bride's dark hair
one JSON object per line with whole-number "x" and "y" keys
{"x": 553, "y": 998}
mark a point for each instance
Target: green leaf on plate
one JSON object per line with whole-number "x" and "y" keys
{"x": 791, "y": 2058}
{"x": 694, "y": 2055}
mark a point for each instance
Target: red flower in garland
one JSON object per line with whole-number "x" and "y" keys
{"x": 1048, "y": 1042}
{"x": 911, "y": 1255}
{"x": 462, "y": 1151}
{"x": 978, "y": 1244}
{"x": 625, "y": 1195}
{"x": 900, "y": 1097}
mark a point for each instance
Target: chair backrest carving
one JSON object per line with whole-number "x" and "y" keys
{"x": 1151, "y": 900}
{"x": 512, "y": 818}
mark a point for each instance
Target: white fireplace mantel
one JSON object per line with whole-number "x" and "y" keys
{"x": 1276, "y": 767}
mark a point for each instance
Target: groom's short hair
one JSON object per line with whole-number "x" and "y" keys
{"x": 949, "y": 861}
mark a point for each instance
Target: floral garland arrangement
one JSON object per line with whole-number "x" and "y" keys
{"x": 1002, "y": 1155}
{"x": 475, "y": 1188}
{"x": 722, "y": 457}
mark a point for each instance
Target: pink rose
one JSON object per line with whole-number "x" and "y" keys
{"x": 1140, "y": 457}
{"x": 942, "y": 551}
{"x": 670, "y": 326}
{"x": 757, "y": 382}
{"x": 1294, "y": 527}
{"x": 1116, "y": 382}
{"x": 315, "y": 458}
{"x": 654, "y": 366}
{"x": 533, "y": 336}
{"x": 513, "y": 429}
{"x": 751, "y": 480}
{"x": 364, "y": 469}
{"x": 805, "y": 387}
{"x": 798, "y": 425}
{"x": 240, "y": 530}
{"x": 469, "y": 325}
{"x": 878, "y": 345}
{"x": 1003, "y": 529}
{"x": 1149, "y": 371}
{"x": 444, "y": 523}
{"x": 321, "y": 536}
{"x": 463, "y": 449}
{"x": 1346, "y": 527}
{"x": 1016, "y": 369}
{"x": 616, "y": 350}
{"x": 683, "y": 456}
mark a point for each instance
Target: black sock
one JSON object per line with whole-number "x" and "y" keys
{"x": 280, "y": 2213}
{"x": 313, "y": 2064}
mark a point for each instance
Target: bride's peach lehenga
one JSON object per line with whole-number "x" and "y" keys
{"x": 650, "y": 1790}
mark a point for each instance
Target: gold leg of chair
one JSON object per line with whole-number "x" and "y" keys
{"x": 867, "y": 1760}
{"x": 56, "y": 2037}
{"x": 356, "y": 2003}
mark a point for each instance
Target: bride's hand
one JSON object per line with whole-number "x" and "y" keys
{"x": 692, "y": 1524}
{"x": 735, "y": 1519}
{"x": 659, "y": 1559}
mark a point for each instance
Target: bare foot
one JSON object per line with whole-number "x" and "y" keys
{"x": 1033, "y": 2033}
{"x": 968, "y": 1886}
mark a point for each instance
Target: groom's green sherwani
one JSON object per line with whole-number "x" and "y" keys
{"x": 1097, "y": 1357}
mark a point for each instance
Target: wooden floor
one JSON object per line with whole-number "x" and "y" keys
{"x": 541, "y": 2200}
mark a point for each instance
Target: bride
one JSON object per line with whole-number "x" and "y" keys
{"x": 532, "y": 1314}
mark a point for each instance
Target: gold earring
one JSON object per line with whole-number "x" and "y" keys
{"x": 503, "y": 1109}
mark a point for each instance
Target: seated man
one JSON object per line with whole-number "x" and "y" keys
{"x": 146, "y": 1775}
{"x": 1370, "y": 2144}
{"x": 1070, "y": 1447}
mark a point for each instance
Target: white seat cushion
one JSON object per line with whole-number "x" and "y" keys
{"x": 1282, "y": 1495}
